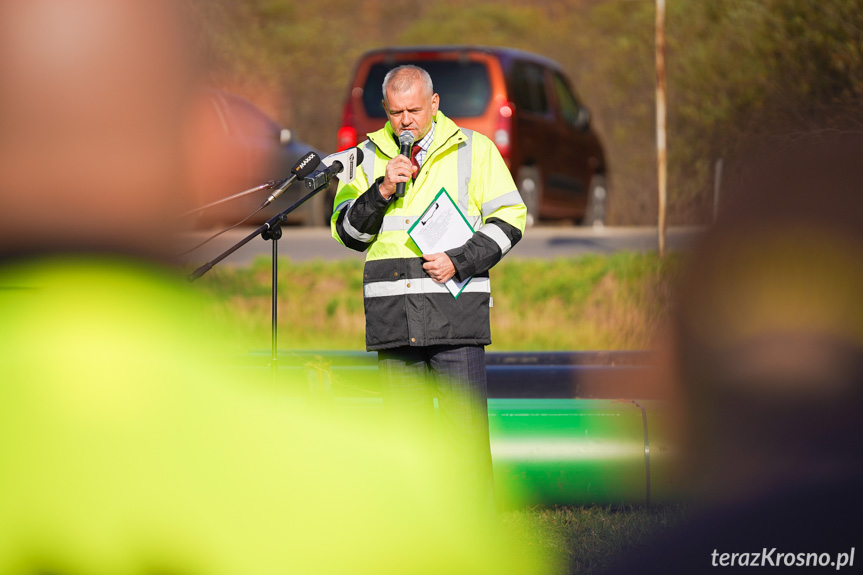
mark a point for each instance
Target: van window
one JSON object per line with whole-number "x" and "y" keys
{"x": 464, "y": 87}
{"x": 528, "y": 87}
{"x": 568, "y": 105}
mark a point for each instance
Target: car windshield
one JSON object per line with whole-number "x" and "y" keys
{"x": 464, "y": 87}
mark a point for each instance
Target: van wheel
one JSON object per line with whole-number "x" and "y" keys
{"x": 597, "y": 201}
{"x": 530, "y": 187}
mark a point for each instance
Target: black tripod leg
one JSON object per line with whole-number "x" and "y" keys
{"x": 275, "y": 359}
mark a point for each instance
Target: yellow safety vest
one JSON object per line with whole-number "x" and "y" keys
{"x": 468, "y": 166}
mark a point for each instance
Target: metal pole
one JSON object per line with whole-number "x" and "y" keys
{"x": 275, "y": 359}
{"x": 661, "y": 154}
{"x": 717, "y": 185}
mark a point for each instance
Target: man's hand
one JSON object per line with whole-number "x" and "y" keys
{"x": 399, "y": 169}
{"x": 439, "y": 267}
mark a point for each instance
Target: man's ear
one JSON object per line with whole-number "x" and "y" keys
{"x": 435, "y": 103}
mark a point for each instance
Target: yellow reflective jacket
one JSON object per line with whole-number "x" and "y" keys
{"x": 403, "y": 305}
{"x": 128, "y": 445}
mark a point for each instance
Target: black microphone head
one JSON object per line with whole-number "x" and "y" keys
{"x": 359, "y": 155}
{"x": 406, "y": 138}
{"x": 306, "y": 165}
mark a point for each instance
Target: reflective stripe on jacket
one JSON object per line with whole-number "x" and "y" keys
{"x": 403, "y": 305}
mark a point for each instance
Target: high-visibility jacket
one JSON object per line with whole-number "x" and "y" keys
{"x": 403, "y": 305}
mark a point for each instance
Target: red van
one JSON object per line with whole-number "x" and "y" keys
{"x": 523, "y": 102}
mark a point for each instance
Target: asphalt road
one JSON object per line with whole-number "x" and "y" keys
{"x": 300, "y": 244}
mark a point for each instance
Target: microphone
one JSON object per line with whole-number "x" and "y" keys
{"x": 344, "y": 165}
{"x": 305, "y": 166}
{"x": 406, "y": 142}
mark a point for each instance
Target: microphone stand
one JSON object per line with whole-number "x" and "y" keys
{"x": 270, "y": 230}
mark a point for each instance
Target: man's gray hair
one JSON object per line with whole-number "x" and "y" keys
{"x": 401, "y": 79}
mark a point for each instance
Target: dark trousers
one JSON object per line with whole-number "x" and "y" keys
{"x": 411, "y": 377}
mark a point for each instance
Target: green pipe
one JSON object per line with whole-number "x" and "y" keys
{"x": 582, "y": 451}
{"x": 547, "y": 451}
{"x": 577, "y": 451}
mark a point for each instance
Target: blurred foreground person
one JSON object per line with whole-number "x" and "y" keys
{"x": 126, "y": 445}
{"x": 770, "y": 358}
{"x": 91, "y": 117}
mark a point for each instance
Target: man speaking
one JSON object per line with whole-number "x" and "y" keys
{"x": 430, "y": 343}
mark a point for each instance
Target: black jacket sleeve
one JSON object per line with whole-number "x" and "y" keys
{"x": 359, "y": 223}
{"x": 481, "y": 252}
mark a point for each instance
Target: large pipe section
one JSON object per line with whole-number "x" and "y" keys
{"x": 550, "y": 444}
{"x": 596, "y": 374}
{"x": 582, "y": 451}
{"x": 576, "y": 451}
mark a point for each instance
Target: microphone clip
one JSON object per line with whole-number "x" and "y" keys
{"x": 318, "y": 179}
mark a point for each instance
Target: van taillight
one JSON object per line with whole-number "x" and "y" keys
{"x": 347, "y": 134}
{"x": 503, "y": 130}
{"x": 346, "y": 138}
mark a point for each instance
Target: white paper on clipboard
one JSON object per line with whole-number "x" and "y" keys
{"x": 442, "y": 227}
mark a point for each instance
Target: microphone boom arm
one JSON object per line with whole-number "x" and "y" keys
{"x": 265, "y": 186}
{"x": 267, "y": 230}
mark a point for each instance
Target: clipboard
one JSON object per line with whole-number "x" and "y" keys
{"x": 442, "y": 226}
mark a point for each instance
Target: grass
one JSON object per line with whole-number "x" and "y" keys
{"x": 587, "y": 539}
{"x": 615, "y": 301}
{"x": 612, "y": 301}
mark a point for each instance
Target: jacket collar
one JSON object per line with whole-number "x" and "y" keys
{"x": 446, "y": 134}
